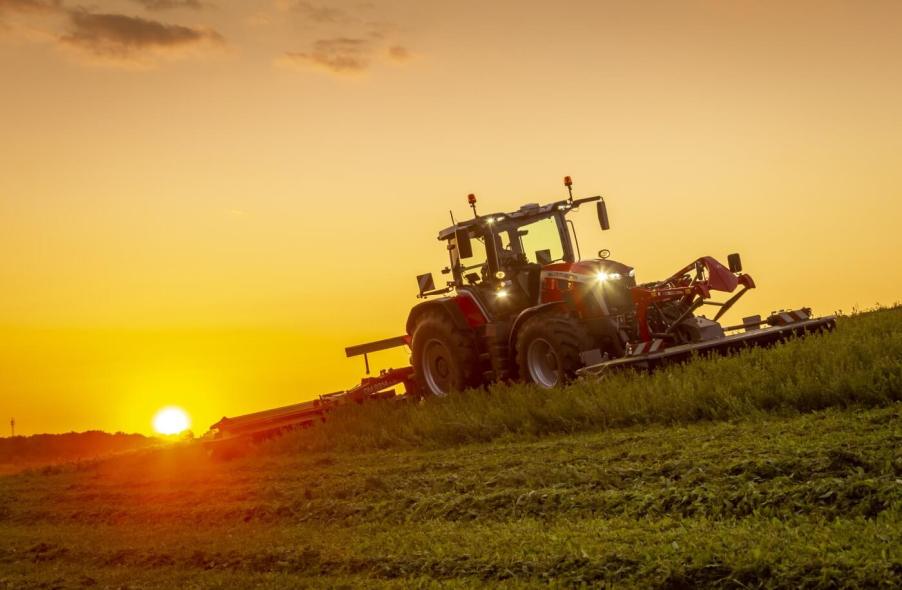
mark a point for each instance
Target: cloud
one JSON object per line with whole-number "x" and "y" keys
{"x": 160, "y": 5}
{"x": 321, "y": 14}
{"x": 342, "y": 39}
{"x": 108, "y": 37}
{"x": 18, "y": 18}
{"x": 344, "y": 55}
{"x": 124, "y": 37}
{"x": 341, "y": 55}
{"x": 398, "y": 53}
{"x": 35, "y": 6}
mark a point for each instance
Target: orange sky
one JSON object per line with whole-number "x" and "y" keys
{"x": 204, "y": 202}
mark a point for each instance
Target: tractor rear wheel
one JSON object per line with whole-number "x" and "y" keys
{"x": 548, "y": 348}
{"x": 444, "y": 356}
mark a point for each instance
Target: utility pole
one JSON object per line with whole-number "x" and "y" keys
{"x": 12, "y": 427}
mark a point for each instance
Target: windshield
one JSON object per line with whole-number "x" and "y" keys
{"x": 538, "y": 241}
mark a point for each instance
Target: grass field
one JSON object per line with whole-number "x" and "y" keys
{"x": 776, "y": 469}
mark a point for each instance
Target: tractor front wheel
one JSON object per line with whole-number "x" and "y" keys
{"x": 444, "y": 356}
{"x": 548, "y": 348}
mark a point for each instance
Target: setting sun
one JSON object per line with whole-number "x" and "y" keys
{"x": 171, "y": 420}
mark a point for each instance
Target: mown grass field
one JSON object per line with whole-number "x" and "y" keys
{"x": 774, "y": 469}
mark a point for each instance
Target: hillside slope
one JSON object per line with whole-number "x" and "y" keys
{"x": 800, "y": 494}
{"x": 859, "y": 364}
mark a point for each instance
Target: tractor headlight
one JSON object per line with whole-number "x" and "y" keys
{"x": 501, "y": 294}
{"x": 602, "y": 276}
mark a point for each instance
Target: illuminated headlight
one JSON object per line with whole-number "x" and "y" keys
{"x": 608, "y": 276}
{"x": 501, "y": 294}
{"x": 601, "y": 277}
{"x": 633, "y": 272}
{"x": 615, "y": 276}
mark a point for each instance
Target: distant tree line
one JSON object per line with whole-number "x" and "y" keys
{"x": 71, "y": 446}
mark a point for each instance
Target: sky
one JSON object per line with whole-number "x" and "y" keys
{"x": 203, "y": 202}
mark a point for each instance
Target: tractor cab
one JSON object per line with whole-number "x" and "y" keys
{"x": 522, "y": 303}
{"x": 498, "y": 258}
{"x": 509, "y": 273}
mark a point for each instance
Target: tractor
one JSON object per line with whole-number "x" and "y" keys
{"x": 521, "y": 304}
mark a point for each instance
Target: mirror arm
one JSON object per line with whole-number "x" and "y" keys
{"x": 578, "y": 202}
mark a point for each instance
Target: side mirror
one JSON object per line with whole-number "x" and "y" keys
{"x": 603, "y": 215}
{"x": 464, "y": 248}
{"x": 735, "y": 262}
{"x": 425, "y": 282}
{"x": 543, "y": 257}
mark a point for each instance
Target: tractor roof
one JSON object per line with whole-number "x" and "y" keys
{"x": 530, "y": 210}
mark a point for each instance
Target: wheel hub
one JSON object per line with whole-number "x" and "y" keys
{"x": 436, "y": 367}
{"x": 542, "y": 363}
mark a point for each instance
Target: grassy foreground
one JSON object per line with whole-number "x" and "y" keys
{"x": 724, "y": 486}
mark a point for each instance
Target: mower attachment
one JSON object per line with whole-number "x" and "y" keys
{"x": 782, "y": 325}
{"x": 305, "y": 414}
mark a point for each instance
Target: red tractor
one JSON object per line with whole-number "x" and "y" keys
{"x": 522, "y": 304}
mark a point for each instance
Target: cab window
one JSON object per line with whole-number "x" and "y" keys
{"x": 475, "y": 262}
{"x": 541, "y": 235}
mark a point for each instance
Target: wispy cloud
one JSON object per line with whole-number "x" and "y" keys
{"x": 340, "y": 37}
{"x": 39, "y": 6}
{"x": 399, "y": 53}
{"x": 320, "y": 13}
{"x": 346, "y": 40}
{"x": 126, "y": 37}
{"x": 340, "y": 55}
{"x": 111, "y": 38}
{"x": 344, "y": 55}
{"x": 161, "y": 5}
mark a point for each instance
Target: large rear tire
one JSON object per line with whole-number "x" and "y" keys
{"x": 548, "y": 348}
{"x": 445, "y": 358}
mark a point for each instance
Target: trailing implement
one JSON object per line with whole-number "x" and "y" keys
{"x": 309, "y": 413}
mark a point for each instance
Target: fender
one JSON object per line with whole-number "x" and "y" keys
{"x": 463, "y": 309}
{"x": 525, "y": 315}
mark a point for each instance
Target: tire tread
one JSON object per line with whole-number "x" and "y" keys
{"x": 461, "y": 343}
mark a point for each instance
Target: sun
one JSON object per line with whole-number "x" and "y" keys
{"x": 171, "y": 420}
